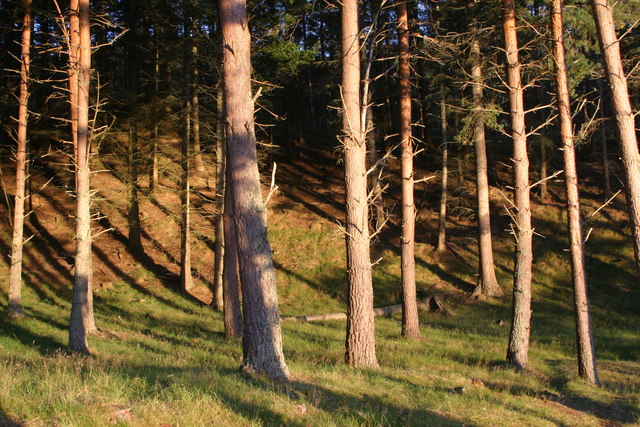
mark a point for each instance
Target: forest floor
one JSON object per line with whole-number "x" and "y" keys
{"x": 161, "y": 358}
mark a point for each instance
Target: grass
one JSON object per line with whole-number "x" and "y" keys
{"x": 162, "y": 359}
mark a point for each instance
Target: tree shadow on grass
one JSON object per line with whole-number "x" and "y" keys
{"x": 7, "y": 421}
{"x": 22, "y": 333}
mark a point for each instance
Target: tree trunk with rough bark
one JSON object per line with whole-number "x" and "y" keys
{"x": 15, "y": 273}
{"x": 231, "y": 276}
{"x": 487, "y": 281}
{"x": 82, "y": 321}
{"x": 586, "y": 351}
{"x": 360, "y": 341}
{"x": 442, "y": 218}
{"x": 518, "y": 350}
{"x": 410, "y": 321}
{"x": 74, "y": 50}
{"x": 625, "y": 123}
{"x": 219, "y": 249}
{"x": 262, "y": 340}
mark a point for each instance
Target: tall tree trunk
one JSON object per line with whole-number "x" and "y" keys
{"x": 15, "y": 273}
{"x": 610, "y": 48}
{"x": 360, "y": 341}
{"x": 186, "y": 279}
{"x": 487, "y": 281}
{"x": 231, "y": 277}
{"x": 544, "y": 192}
{"x": 153, "y": 173}
{"x": 518, "y": 351}
{"x": 135, "y": 243}
{"x": 195, "y": 100}
{"x": 219, "y": 249}
{"x": 586, "y": 351}
{"x": 442, "y": 218}
{"x": 262, "y": 343}
{"x": 82, "y": 321}
{"x": 74, "y": 50}
{"x": 375, "y": 184}
{"x": 603, "y": 143}
{"x": 410, "y": 321}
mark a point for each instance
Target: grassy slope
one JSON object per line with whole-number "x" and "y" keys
{"x": 163, "y": 359}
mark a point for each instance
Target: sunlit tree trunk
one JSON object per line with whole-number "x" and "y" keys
{"x": 376, "y": 186}
{"x": 360, "y": 341}
{"x": 82, "y": 321}
{"x": 518, "y": 351}
{"x": 586, "y": 351}
{"x": 610, "y": 48}
{"x": 15, "y": 273}
{"x": 186, "y": 279}
{"x": 219, "y": 249}
{"x": 262, "y": 343}
{"x": 410, "y": 322}
{"x": 442, "y": 217}
{"x": 74, "y": 50}
{"x": 487, "y": 281}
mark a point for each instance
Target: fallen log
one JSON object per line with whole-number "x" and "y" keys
{"x": 431, "y": 303}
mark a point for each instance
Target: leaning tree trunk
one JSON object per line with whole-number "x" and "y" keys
{"x": 15, "y": 273}
{"x": 487, "y": 281}
{"x": 82, "y": 322}
{"x": 221, "y": 154}
{"x": 442, "y": 218}
{"x": 610, "y": 47}
{"x": 518, "y": 351}
{"x": 231, "y": 277}
{"x": 360, "y": 341}
{"x": 410, "y": 322}
{"x": 586, "y": 351}
{"x": 262, "y": 343}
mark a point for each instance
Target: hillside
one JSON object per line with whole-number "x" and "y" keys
{"x": 161, "y": 358}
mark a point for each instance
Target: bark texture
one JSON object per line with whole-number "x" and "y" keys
{"x": 586, "y": 352}
{"x": 221, "y": 155}
{"x": 74, "y": 50}
{"x": 231, "y": 275}
{"x": 360, "y": 341}
{"x": 410, "y": 322}
{"x": 487, "y": 281}
{"x": 15, "y": 273}
{"x": 610, "y": 48}
{"x": 82, "y": 321}
{"x": 518, "y": 350}
{"x": 186, "y": 279}
{"x": 262, "y": 343}
{"x": 442, "y": 218}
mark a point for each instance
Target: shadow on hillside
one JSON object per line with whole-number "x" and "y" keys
{"x": 19, "y": 330}
{"x": 6, "y": 421}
